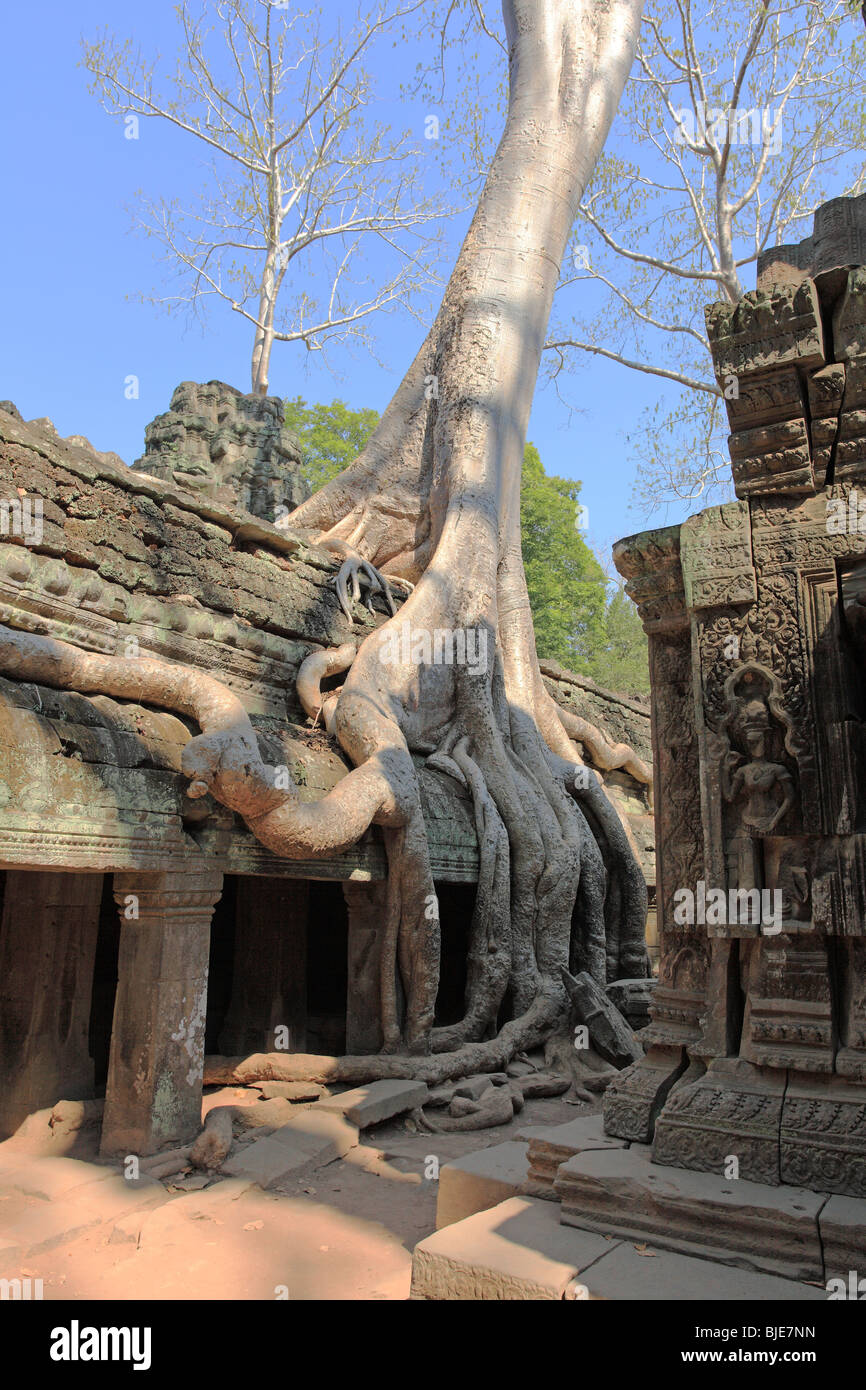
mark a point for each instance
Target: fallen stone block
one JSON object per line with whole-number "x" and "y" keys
{"x": 496, "y": 1107}
{"x": 471, "y": 1087}
{"x": 773, "y": 1230}
{"x": 319, "y": 1129}
{"x": 307, "y": 1141}
{"x": 611, "y": 1036}
{"x": 552, "y": 1145}
{"x": 514, "y": 1251}
{"x": 380, "y": 1100}
{"x": 479, "y": 1180}
{"x": 268, "y": 1162}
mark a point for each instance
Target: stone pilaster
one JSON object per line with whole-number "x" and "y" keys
{"x": 269, "y": 976}
{"x": 47, "y": 948}
{"x": 651, "y": 564}
{"x": 153, "y": 1093}
{"x": 365, "y": 903}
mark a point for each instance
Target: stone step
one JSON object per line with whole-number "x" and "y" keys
{"x": 773, "y": 1230}
{"x": 518, "y": 1250}
{"x": 843, "y": 1236}
{"x": 479, "y": 1180}
{"x": 553, "y": 1145}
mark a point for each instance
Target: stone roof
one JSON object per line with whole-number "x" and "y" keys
{"x": 122, "y": 555}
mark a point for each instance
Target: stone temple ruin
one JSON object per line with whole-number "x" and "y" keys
{"x": 740, "y": 1135}
{"x": 142, "y": 929}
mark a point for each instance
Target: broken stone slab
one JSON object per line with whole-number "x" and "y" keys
{"x": 659, "y": 1275}
{"x": 496, "y": 1107}
{"x": 842, "y": 1224}
{"x": 269, "y": 1162}
{"x": 552, "y": 1145}
{"x": 773, "y": 1230}
{"x": 307, "y": 1141}
{"x": 514, "y": 1251}
{"x": 476, "y": 1086}
{"x": 479, "y": 1180}
{"x": 517, "y": 1068}
{"x": 611, "y": 1036}
{"x": 378, "y": 1101}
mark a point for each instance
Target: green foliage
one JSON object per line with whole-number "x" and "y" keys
{"x": 575, "y": 622}
{"x": 565, "y": 581}
{"x": 331, "y": 436}
{"x": 622, "y": 664}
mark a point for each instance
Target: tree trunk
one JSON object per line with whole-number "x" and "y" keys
{"x": 435, "y": 498}
{"x": 264, "y": 339}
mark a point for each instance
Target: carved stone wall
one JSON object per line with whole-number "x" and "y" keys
{"x": 755, "y": 614}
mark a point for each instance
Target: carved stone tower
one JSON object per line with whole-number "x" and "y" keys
{"x": 756, "y": 614}
{"x": 228, "y": 447}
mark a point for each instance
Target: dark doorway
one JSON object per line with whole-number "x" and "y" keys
{"x": 104, "y": 983}
{"x": 220, "y": 963}
{"x": 327, "y": 969}
{"x": 456, "y": 905}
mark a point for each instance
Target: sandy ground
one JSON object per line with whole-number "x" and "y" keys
{"x": 345, "y": 1230}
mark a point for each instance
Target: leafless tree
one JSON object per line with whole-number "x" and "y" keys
{"x": 301, "y": 182}
{"x": 435, "y": 499}
{"x": 738, "y": 120}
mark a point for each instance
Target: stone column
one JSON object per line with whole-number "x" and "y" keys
{"x": 269, "y": 977}
{"x": 651, "y": 563}
{"x": 153, "y": 1093}
{"x": 47, "y": 948}
{"x": 366, "y": 907}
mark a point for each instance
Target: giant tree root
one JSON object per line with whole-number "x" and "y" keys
{"x": 357, "y": 1071}
{"x": 496, "y": 1107}
{"x": 605, "y": 754}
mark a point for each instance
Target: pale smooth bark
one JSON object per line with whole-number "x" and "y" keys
{"x": 435, "y": 499}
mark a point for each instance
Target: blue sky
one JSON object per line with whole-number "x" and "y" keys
{"x": 71, "y": 336}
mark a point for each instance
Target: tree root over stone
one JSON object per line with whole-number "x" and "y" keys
{"x": 434, "y": 499}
